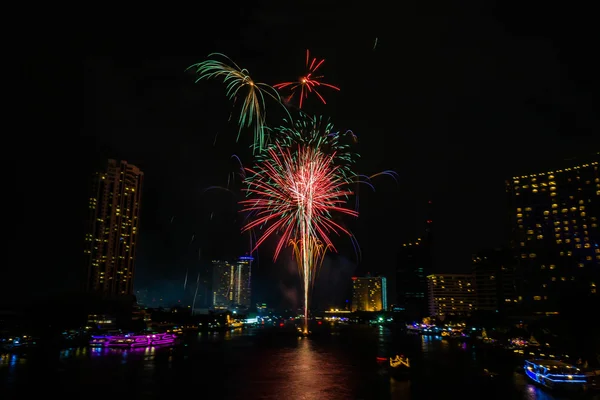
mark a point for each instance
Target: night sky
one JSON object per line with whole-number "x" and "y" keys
{"x": 453, "y": 100}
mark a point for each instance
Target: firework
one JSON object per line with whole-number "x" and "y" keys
{"x": 239, "y": 84}
{"x": 295, "y": 191}
{"x": 318, "y": 132}
{"x": 308, "y": 83}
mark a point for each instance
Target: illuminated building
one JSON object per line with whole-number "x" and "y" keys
{"x": 232, "y": 284}
{"x": 554, "y": 218}
{"x": 101, "y": 321}
{"x": 415, "y": 262}
{"x": 451, "y": 294}
{"x": 262, "y": 309}
{"x": 111, "y": 241}
{"x": 495, "y": 280}
{"x": 369, "y": 293}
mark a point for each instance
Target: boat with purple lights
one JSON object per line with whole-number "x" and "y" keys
{"x": 128, "y": 340}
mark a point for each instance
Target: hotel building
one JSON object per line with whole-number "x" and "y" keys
{"x": 231, "y": 284}
{"x": 451, "y": 294}
{"x": 369, "y": 293}
{"x": 554, "y": 218}
{"x": 111, "y": 241}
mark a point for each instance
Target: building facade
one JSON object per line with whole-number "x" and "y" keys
{"x": 451, "y": 294}
{"x": 554, "y": 225}
{"x": 232, "y": 284}
{"x": 369, "y": 293}
{"x": 494, "y": 272}
{"x": 111, "y": 241}
{"x": 415, "y": 262}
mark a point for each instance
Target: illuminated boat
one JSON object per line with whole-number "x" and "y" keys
{"x": 154, "y": 339}
{"x": 399, "y": 367}
{"x": 555, "y": 375}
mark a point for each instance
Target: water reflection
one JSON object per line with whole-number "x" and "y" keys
{"x": 400, "y": 389}
{"x": 10, "y": 361}
{"x": 266, "y": 367}
{"x": 305, "y": 371}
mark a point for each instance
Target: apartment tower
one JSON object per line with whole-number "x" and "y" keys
{"x": 111, "y": 241}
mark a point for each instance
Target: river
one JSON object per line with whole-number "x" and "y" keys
{"x": 264, "y": 365}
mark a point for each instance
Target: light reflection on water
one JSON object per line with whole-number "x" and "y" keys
{"x": 243, "y": 366}
{"x": 306, "y": 370}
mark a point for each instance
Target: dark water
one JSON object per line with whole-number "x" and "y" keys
{"x": 260, "y": 365}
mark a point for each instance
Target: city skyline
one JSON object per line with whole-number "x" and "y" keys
{"x": 422, "y": 244}
{"x": 465, "y": 112}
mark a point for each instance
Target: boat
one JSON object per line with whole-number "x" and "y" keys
{"x": 129, "y": 341}
{"x": 18, "y": 344}
{"x": 556, "y": 375}
{"x": 399, "y": 367}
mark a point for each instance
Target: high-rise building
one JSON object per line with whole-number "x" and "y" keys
{"x": 243, "y": 291}
{"x": 555, "y": 235}
{"x": 451, "y": 294}
{"x": 111, "y": 241}
{"x": 415, "y": 262}
{"x": 495, "y": 280}
{"x": 232, "y": 284}
{"x": 369, "y": 293}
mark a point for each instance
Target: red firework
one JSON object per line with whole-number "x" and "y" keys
{"x": 295, "y": 194}
{"x": 308, "y": 83}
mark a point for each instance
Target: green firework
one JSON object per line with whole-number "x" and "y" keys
{"x": 318, "y": 133}
{"x": 239, "y": 84}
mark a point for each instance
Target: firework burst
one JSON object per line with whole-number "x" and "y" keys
{"x": 318, "y": 132}
{"x": 238, "y": 84}
{"x": 295, "y": 191}
{"x": 308, "y": 83}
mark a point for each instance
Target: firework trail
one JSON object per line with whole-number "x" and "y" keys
{"x": 308, "y": 83}
{"x": 196, "y": 293}
{"x": 238, "y": 83}
{"x": 295, "y": 191}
